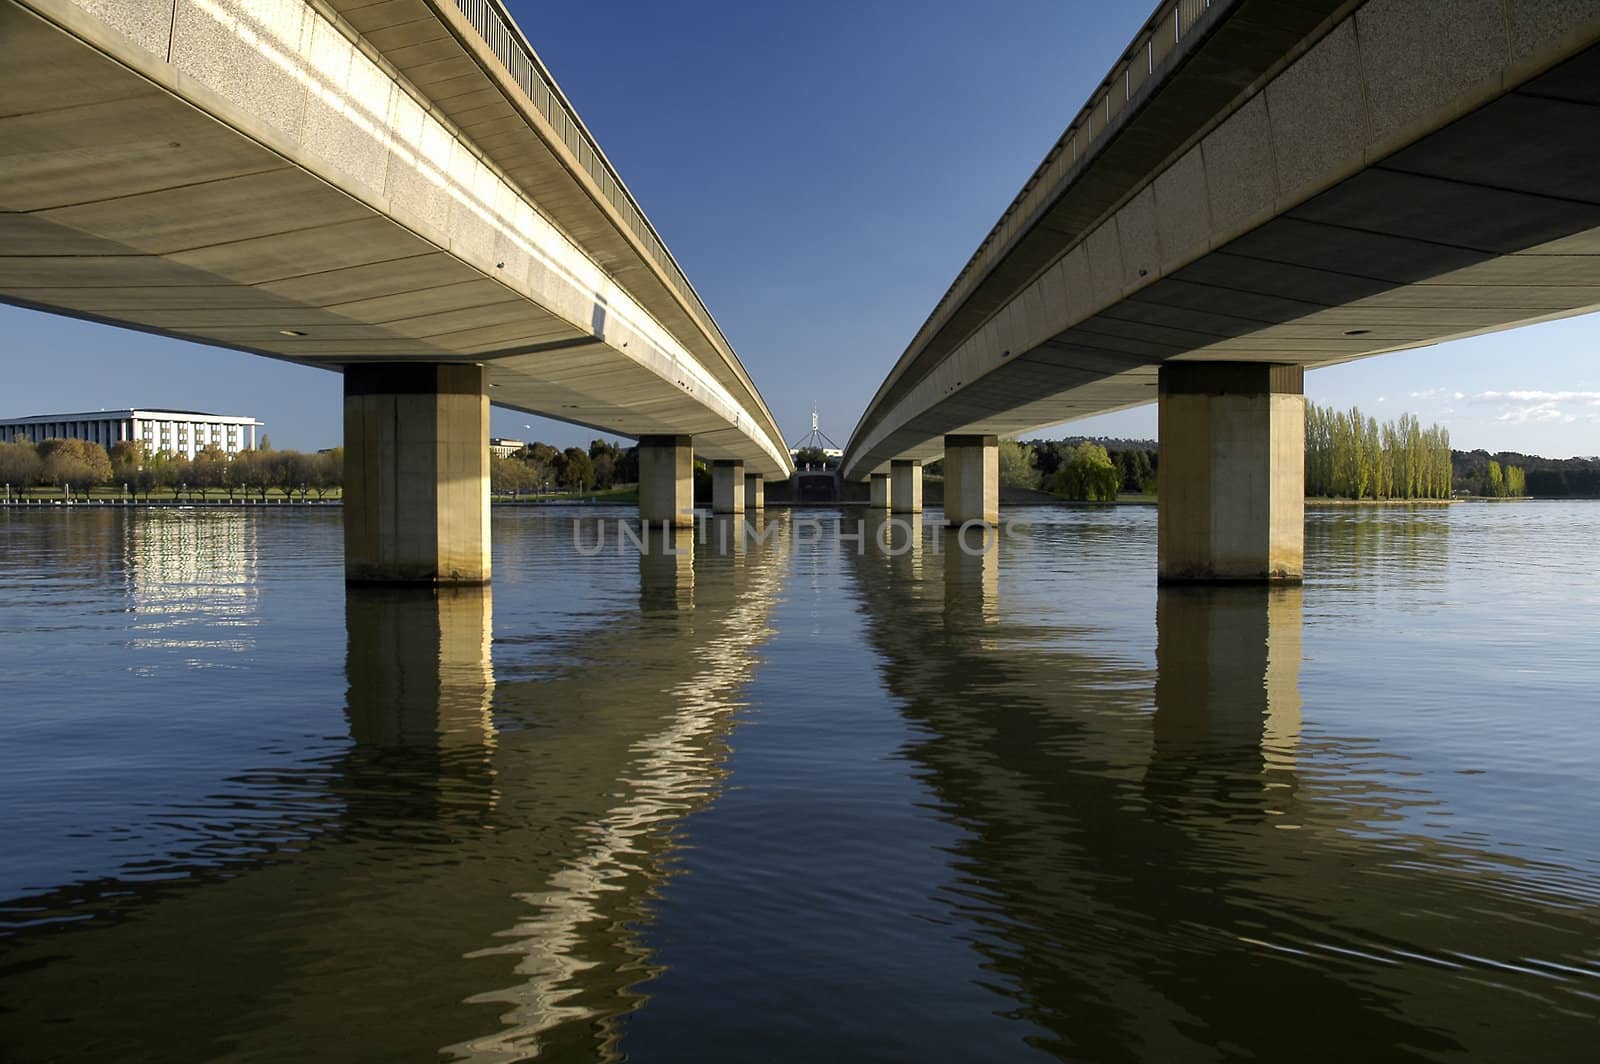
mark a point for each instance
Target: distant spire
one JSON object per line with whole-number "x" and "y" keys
{"x": 816, "y": 437}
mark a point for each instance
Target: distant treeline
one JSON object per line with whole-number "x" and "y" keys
{"x": 1348, "y": 455}
{"x": 85, "y": 464}
{"x": 1079, "y": 468}
{"x": 1548, "y": 477}
{"x": 539, "y": 467}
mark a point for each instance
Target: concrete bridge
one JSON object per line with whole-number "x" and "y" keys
{"x": 1258, "y": 188}
{"x": 395, "y": 190}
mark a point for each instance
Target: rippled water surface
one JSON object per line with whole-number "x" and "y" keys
{"x": 794, "y": 800}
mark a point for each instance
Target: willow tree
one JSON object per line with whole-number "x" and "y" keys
{"x": 1086, "y": 475}
{"x": 1017, "y": 465}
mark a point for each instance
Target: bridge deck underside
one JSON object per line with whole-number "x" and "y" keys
{"x": 1491, "y": 222}
{"x": 124, "y": 204}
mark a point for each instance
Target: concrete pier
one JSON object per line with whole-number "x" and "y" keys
{"x": 755, "y": 492}
{"x": 971, "y": 480}
{"x": 727, "y": 487}
{"x": 666, "y": 480}
{"x": 879, "y": 488}
{"x": 905, "y": 491}
{"x": 416, "y": 474}
{"x": 1232, "y": 473}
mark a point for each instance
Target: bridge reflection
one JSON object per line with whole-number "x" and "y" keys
{"x": 471, "y": 872}
{"x": 1156, "y": 860}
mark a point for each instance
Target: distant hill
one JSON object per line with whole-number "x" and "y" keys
{"x": 1548, "y": 477}
{"x": 1110, "y": 443}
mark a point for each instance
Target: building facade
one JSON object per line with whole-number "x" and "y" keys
{"x": 182, "y": 433}
{"x": 501, "y": 447}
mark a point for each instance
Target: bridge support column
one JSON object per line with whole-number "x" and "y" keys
{"x": 971, "y": 480}
{"x": 416, "y": 474}
{"x": 755, "y": 492}
{"x": 879, "y": 499}
{"x": 666, "y": 480}
{"x": 905, "y": 491}
{"x": 1232, "y": 473}
{"x": 727, "y": 487}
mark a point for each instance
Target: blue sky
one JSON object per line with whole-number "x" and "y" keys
{"x": 822, "y": 172}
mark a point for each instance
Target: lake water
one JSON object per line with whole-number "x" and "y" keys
{"x": 787, "y": 800}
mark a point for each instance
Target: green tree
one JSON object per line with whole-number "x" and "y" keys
{"x": 1016, "y": 465}
{"x": 209, "y": 469}
{"x": 158, "y": 471}
{"x": 610, "y": 462}
{"x": 1086, "y": 474}
{"x": 1351, "y": 455}
{"x": 327, "y": 471}
{"x": 577, "y": 469}
{"x": 252, "y": 471}
{"x": 1144, "y": 473}
{"x": 1494, "y": 482}
{"x": 508, "y": 475}
{"x": 127, "y": 458}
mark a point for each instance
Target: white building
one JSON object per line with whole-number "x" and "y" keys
{"x": 501, "y": 447}
{"x": 178, "y": 432}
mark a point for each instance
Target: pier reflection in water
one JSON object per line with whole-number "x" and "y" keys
{"x": 1227, "y": 691}
{"x": 1165, "y": 885}
{"x": 771, "y": 795}
{"x": 482, "y": 851}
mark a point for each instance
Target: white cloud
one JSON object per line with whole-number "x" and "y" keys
{"x": 1537, "y": 413}
{"x": 1530, "y": 406}
{"x": 1538, "y": 397}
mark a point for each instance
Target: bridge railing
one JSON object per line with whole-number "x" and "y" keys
{"x": 499, "y": 31}
{"x": 1156, "y": 41}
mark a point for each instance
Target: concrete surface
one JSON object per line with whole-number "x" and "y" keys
{"x": 727, "y": 487}
{"x": 666, "y": 480}
{"x": 971, "y": 480}
{"x": 1306, "y": 183}
{"x": 1232, "y": 474}
{"x": 261, "y": 175}
{"x": 905, "y": 486}
{"x": 881, "y": 491}
{"x": 416, "y": 491}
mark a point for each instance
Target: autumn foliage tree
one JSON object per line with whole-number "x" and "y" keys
{"x": 80, "y": 462}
